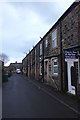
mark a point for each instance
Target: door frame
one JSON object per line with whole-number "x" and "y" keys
{"x": 46, "y": 60}
{"x": 71, "y": 89}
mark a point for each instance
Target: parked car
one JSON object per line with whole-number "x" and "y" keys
{"x": 18, "y": 71}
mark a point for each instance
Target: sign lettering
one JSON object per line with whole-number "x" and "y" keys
{"x": 71, "y": 54}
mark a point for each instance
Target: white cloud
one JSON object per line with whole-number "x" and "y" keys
{"x": 25, "y": 25}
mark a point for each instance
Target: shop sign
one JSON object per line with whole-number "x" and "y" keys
{"x": 71, "y": 54}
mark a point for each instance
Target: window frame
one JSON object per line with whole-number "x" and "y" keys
{"x": 40, "y": 68}
{"x": 40, "y": 48}
{"x": 54, "y": 39}
{"x": 54, "y": 66}
{"x": 46, "y": 43}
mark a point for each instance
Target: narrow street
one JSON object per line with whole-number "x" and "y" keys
{"x": 23, "y": 98}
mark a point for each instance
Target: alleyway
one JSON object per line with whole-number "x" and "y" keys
{"x": 23, "y": 98}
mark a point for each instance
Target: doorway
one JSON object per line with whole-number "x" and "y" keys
{"x": 71, "y": 77}
{"x": 46, "y": 70}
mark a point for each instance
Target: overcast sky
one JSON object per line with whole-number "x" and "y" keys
{"x": 23, "y": 23}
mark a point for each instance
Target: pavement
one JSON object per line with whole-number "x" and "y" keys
{"x": 67, "y": 97}
{"x": 71, "y": 101}
{"x": 26, "y": 98}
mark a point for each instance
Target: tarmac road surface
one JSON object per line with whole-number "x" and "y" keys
{"x": 23, "y": 98}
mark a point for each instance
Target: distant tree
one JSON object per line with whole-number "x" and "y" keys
{"x": 4, "y": 58}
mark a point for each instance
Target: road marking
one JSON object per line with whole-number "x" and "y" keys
{"x": 62, "y": 102}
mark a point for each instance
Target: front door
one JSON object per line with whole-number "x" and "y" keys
{"x": 72, "y": 75}
{"x": 46, "y": 70}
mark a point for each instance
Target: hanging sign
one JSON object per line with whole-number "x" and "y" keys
{"x": 71, "y": 54}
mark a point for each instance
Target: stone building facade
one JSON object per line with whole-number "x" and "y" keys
{"x": 70, "y": 26}
{"x": 52, "y": 57}
{"x": 33, "y": 62}
{"x": 56, "y": 57}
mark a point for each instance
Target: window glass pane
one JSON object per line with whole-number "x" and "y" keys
{"x": 55, "y": 63}
{"x": 54, "y": 39}
{"x": 54, "y": 43}
{"x": 40, "y": 69}
{"x": 40, "y": 46}
{"x": 40, "y": 49}
{"x": 55, "y": 66}
{"x": 54, "y": 34}
{"x": 46, "y": 43}
{"x": 55, "y": 69}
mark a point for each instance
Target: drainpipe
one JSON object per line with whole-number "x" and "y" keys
{"x": 61, "y": 58}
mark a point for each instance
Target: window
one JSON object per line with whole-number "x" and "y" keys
{"x": 46, "y": 43}
{"x": 55, "y": 66}
{"x": 40, "y": 69}
{"x": 54, "y": 39}
{"x": 40, "y": 49}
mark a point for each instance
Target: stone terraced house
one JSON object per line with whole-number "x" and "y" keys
{"x": 55, "y": 59}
